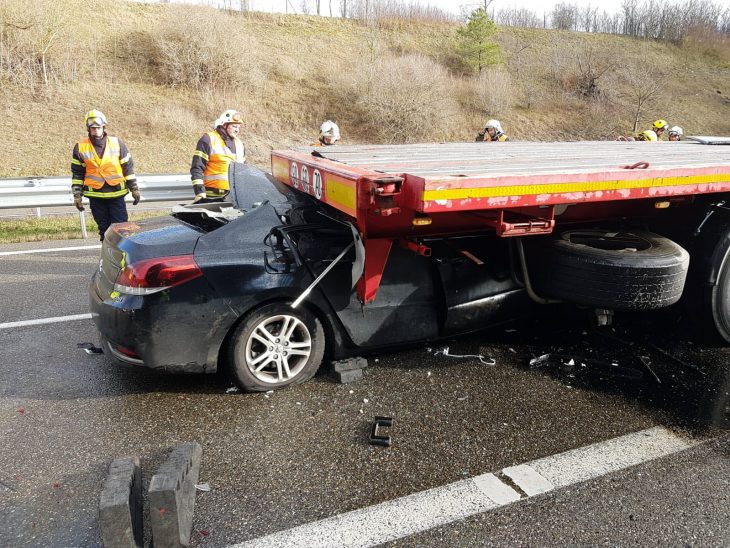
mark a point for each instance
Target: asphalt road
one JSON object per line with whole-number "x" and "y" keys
{"x": 281, "y": 460}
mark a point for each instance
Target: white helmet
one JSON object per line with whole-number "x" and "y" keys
{"x": 676, "y": 130}
{"x": 495, "y": 124}
{"x": 230, "y": 116}
{"x": 94, "y": 118}
{"x": 329, "y": 129}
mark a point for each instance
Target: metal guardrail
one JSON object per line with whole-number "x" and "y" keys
{"x": 56, "y": 191}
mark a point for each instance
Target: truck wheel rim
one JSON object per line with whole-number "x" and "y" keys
{"x": 278, "y": 348}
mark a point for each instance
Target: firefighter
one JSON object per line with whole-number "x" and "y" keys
{"x": 648, "y": 135}
{"x": 329, "y": 133}
{"x": 659, "y": 127}
{"x": 492, "y": 132}
{"x": 103, "y": 171}
{"x": 675, "y": 133}
{"x": 213, "y": 154}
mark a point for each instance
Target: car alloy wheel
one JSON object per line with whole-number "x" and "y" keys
{"x": 278, "y": 348}
{"x": 275, "y": 346}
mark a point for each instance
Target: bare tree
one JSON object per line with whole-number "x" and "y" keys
{"x": 565, "y": 16}
{"x": 644, "y": 88}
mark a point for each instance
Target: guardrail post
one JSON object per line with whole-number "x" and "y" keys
{"x": 82, "y": 218}
{"x": 38, "y": 212}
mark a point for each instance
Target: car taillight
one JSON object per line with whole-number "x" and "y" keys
{"x": 153, "y": 275}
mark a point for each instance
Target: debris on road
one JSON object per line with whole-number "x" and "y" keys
{"x": 202, "y": 486}
{"x": 486, "y": 361}
{"x": 375, "y": 437}
{"x": 90, "y": 348}
{"x": 570, "y": 365}
{"x": 349, "y": 370}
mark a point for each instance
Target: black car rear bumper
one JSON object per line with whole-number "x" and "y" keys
{"x": 177, "y": 333}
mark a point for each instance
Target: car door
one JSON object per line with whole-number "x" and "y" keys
{"x": 406, "y": 306}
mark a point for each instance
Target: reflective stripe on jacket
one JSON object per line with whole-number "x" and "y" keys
{"x": 215, "y": 176}
{"x": 105, "y": 170}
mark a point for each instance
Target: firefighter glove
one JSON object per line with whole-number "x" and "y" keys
{"x": 136, "y": 196}
{"x": 199, "y": 197}
{"x": 79, "y": 203}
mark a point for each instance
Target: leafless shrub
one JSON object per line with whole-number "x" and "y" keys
{"x": 32, "y": 48}
{"x": 493, "y": 90}
{"x": 402, "y": 99}
{"x": 179, "y": 53}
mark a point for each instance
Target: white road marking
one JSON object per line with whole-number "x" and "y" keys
{"x": 527, "y": 479}
{"x": 425, "y": 510}
{"x": 50, "y": 250}
{"x": 42, "y": 321}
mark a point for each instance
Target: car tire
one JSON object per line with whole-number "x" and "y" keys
{"x": 276, "y": 346}
{"x": 618, "y": 270}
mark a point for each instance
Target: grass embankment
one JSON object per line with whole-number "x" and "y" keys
{"x": 163, "y": 73}
{"x": 55, "y": 228}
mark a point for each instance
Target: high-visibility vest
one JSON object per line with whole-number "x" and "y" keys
{"x": 216, "y": 170}
{"x": 107, "y": 169}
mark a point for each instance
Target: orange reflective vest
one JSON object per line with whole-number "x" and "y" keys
{"x": 216, "y": 170}
{"x": 107, "y": 169}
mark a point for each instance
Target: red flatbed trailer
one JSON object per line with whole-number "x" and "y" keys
{"x": 406, "y": 192}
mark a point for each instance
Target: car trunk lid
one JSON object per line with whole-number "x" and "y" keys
{"x": 128, "y": 242}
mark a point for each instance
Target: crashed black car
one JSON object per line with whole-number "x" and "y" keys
{"x": 211, "y": 286}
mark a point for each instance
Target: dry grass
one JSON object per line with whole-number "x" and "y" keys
{"x": 55, "y": 228}
{"x": 162, "y": 74}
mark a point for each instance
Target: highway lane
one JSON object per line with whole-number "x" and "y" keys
{"x": 276, "y": 461}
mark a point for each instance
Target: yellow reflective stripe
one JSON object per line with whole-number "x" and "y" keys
{"x": 94, "y": 194}
{"x": 130, "y": 176}
{"x": 76, "y": 162}
{"x": 215, "y": 192}
{"x": 125, "y": 159}
{"x": 216, "y": 177}
{"x": 583, "y": 186}
{"x": 77, "y": 181}
{"x": 201, "y": 154}
{"x": 197, "y": 181}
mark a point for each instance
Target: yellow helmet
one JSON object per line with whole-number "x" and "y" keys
{"x": 660, "y": 124}
{"x": 647, "y": 135}
{"x": 94, "y": 118}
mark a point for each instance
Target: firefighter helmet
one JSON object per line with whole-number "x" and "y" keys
{"x": 229, "y": 116}
{"x": 94, "y": 118}
{"x": 660, "y": 124}
{"x": 329, "y": 129}
{"x": 648, "y": 135}
{"x": 495, "y": 124}
{"x": 676, "y": 130}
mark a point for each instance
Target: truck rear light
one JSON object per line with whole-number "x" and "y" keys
{"x": 154, "y": 275}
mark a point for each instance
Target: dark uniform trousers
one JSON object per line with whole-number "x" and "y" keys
{"x": 107, "y": 211}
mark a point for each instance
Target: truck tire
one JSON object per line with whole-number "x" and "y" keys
{"x": 718, "y": 293}
{"x": 618, "y": 270}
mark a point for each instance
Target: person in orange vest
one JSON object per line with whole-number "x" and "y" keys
{"x": 213, "y": 154}
{"x": 102, "y": 170}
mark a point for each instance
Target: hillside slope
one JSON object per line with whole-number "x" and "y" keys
{"x": 162, "y": 74}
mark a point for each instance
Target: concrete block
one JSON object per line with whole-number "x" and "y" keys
{"x": 349, "y": 376}
{"x": 350, "y": 364}
{"x": 120, "y": 505}
{"x": 172, "y": 496}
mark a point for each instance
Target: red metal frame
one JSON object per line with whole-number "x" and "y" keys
{"x": 383, "y": 206}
